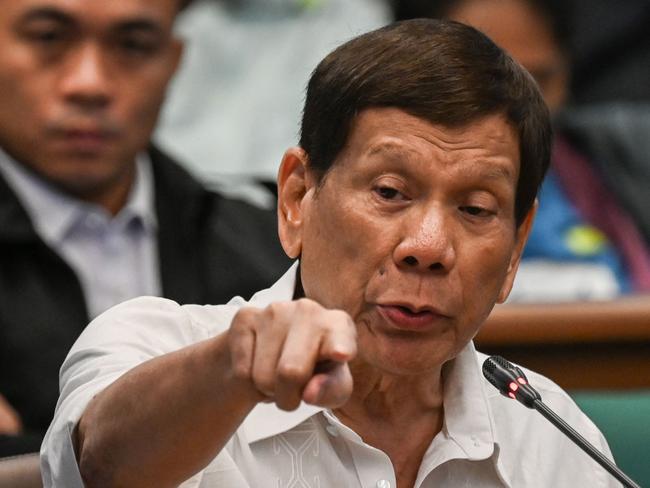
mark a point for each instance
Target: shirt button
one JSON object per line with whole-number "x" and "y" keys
{"x": 331, "y": 430}
{"x": 383, "y": 484}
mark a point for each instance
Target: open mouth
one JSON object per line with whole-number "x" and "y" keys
{"x": 413, "y": 313}
{"x": 405, "y": 317}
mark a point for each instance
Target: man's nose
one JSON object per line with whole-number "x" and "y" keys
{"x": 85, "y": 80}
{"x": 427, "y": 243}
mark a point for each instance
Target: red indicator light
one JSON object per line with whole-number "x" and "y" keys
{"x": 512, "y": 395}
{"x": 513, "y": 386}
{"x": 522, "y": 380}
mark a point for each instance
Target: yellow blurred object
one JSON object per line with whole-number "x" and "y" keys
{"x": 307, "y": 4}
{"x": 585, "y": 240}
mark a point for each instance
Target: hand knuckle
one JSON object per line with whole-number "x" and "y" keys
{"x": 276, "y": 309}
{"x": 264, "y": 384}
{"x": 244, "y": 318}
{"x": 240, "y": 371}
{"x": 339, "y": 320}
{"x": 307, "y": 305}
{"x": 291, "y": 372}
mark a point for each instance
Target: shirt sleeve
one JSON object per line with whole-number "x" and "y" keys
{"x": 118, "y": 340}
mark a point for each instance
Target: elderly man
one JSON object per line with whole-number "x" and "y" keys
{"x": 408, "y": 204}
{"x": 90, "y": 214}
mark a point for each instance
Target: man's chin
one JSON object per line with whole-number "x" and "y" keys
{"x": 92, "y": 181}
{"x": 400, "y": 361}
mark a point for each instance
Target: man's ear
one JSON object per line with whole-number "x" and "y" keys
{"x": 293, "y": 184}
{"x": 523, "y": 231}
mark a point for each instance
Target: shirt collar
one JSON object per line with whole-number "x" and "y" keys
{"x": 281, "y": 290}
{"x": 468, "y": 421}
{"x": 53, "y": 212}
{"x": 141, "y": 201}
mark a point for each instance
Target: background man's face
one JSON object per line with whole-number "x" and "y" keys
{"x": 519, "y": 29}
{"x": 81, "y": 85}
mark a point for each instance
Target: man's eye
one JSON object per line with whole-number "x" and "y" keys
{"x": 46, "y": 36}
{"x": 476, "y": 211}
{"x": 387, "y": 192}
{"x": 138, "y": 46}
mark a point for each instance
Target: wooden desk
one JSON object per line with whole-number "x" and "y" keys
{"x": 579, "y": 345}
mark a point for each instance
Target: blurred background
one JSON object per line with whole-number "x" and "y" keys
{"x": 235, "y": 105}
{"x": 580, "y": 310}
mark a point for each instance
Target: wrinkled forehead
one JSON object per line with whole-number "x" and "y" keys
{"x": 392, "y": 133}
{"x": 92, "y": 14}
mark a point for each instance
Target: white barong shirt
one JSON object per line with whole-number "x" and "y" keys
{"x": 487, "y": 440}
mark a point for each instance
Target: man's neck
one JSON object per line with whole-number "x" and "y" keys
{"x": 113, "y": 195}
{"x": 379, "y": 394}
{"x": 402, "y": 429}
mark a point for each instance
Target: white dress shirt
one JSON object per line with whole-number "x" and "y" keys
{"x": 487, "y": 440}
{"x": 114, "y": 257}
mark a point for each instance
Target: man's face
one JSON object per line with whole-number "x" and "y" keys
{"x": 519, "y": 29}
{"x": 412, "y": 232}
{"x": 81, "y": 84}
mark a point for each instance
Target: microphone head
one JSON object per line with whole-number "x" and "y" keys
{"x": 510, "y": 380}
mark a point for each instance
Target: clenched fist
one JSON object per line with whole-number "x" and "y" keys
{"x": 293, "y": 351}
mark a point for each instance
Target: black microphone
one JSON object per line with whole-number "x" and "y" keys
{"x": 512, "y": 382}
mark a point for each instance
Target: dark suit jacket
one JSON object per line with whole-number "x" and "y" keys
{"x": 211, "y": 248}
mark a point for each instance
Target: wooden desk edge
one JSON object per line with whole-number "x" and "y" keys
{"x": 625, "y": 320}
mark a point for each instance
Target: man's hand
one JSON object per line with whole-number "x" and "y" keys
{"x": 10, "y": 423}
{"x": 293, "y": 351}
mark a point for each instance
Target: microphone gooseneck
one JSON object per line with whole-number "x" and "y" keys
{"x": 512, "y": 383}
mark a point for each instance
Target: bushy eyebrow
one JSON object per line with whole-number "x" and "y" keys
{"x": 142, "y": 24}
{"x": 47, "y": 13}
{"x": 138, "y": 25}
{"x": 489, "y": 171}
{"x": 494, "y": 172}
{"x": 388, "y": 149}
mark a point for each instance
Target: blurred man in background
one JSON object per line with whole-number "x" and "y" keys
{"x": 90, "y": 213}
